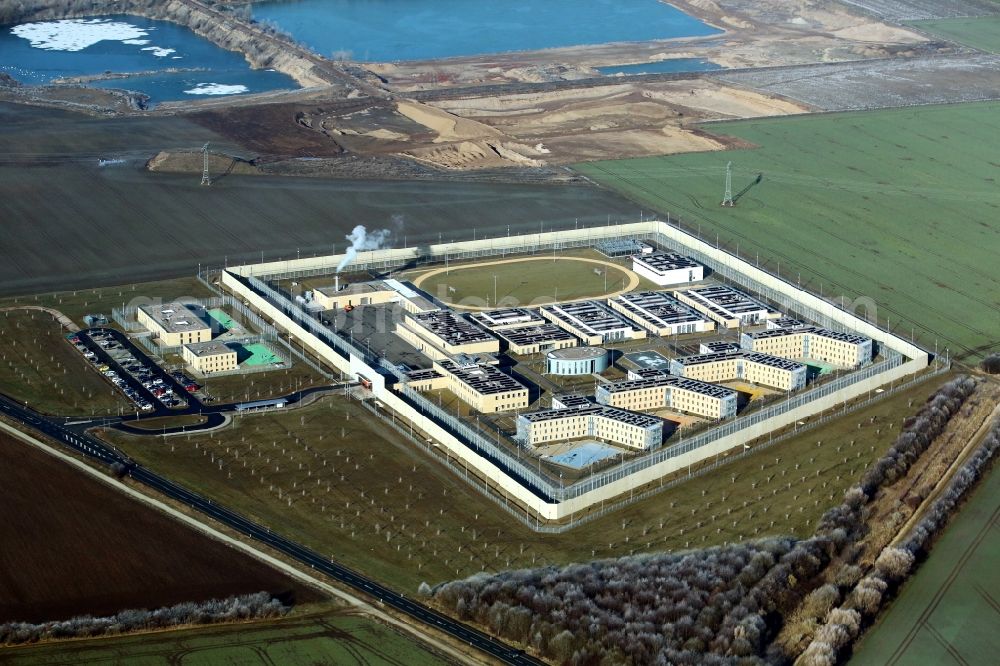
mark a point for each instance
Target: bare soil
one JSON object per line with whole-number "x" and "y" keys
{"x": 72, "y": 545}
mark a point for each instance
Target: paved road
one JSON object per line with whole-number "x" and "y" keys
{"x": 73, "y": 436}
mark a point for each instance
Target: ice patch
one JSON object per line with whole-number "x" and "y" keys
{"x": 76, "y": 34}
{"x": 136, "y": 42}
{"x": 159, "y": 51}
{"x": 216, "y": 89}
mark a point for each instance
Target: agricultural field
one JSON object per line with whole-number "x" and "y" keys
{"x": 981, "y": 32}
{"x": 76, "y": 303}
{"x": 946, "y": 612}
{"x": 74, "y": 546}
{"x": 529, "y": 281}
{"x": 302, "y": 638}
{"x": 332, "y": 476}
{"x": 68, "y": 221}
{"x": 40, "y": 367}
{"x": 862, "y": 206}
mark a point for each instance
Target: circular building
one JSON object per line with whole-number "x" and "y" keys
{"x": 577, "y": 361}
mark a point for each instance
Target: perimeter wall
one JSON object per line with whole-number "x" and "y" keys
{"x": 538, "y": 495}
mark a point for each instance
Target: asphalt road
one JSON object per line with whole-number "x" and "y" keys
{"x": 74, "y": 436}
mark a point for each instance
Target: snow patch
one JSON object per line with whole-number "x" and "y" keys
{"x": 76, "y": 34}
{"x": 159, "y": 51}
{"x": 216, "y": 89}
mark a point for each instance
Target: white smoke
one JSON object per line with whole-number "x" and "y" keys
{"x": 362, "y": 239}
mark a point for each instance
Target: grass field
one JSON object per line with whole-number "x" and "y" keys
{"x": 982, "y": 32}
{"x": 898, "y": 205}
{"x": 341, "y": 481}
{"x": 76, "y": 303}
{"x": 947, "y": 612}
{"x": 73, "y": 546}
{"x": 309, "y": 638}
{"x": 39, "y": 366}
{"x": 526, "y": 281}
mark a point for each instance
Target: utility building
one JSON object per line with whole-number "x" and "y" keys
{"x": 175, "y": 324}
{"x": 209, "y": 357}
{"x": 665, "y": 268}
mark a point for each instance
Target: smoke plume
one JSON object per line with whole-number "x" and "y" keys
{"x": 361, "y": 239}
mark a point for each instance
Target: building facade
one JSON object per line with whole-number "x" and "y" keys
{"x": 753, "y": 367}
{"x": 209, "y": 357}
{"x": 845, "y": 350}
{"x": 660, "y": 391}
{"x": 577, "y": 361}
{"x": 587, "y": 420}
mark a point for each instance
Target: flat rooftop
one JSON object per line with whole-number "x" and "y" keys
{"x": 810, "y": 330}
{"x": 755, "y": 357}
{"x": 527, "y": 335}
{"x": 726, "y": 301}
{"x": 484, "y": 379}
{"x": 658, "y": 308}
{"x": 577, "y": 353}
{"x": 720, "y": 346}
{"x": 209, "y": 348}
{"x": 593, "y": 409}
{"x": 452, "y": 328}
{"x": 177, "y": 317}
{"x": 423, "y": 374}
{"x": 653, "y": 381}
{"x": 493, "y": 319}
{"x": 591, "y": 316}
{"x": 648, "y": 360}
{"x": 661, "y": 262}
{"x": 355, "y": 288}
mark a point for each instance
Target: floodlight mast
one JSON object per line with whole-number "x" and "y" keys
{"x": 205, "y": 180}
{"x": 727, "y": 199}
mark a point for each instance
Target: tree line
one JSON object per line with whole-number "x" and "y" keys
{"x": 241, "y": 607}
{"x": 722, "y": 605}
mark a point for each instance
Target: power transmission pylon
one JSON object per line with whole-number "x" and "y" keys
{"x": 205, "y": 180}
{"x": 727, "y": 200}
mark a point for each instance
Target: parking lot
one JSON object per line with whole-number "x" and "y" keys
{"x": 150, "y": 388}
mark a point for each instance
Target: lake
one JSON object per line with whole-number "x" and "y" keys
{"x": 174, "y": 62}
{"x": 393, "y": 30}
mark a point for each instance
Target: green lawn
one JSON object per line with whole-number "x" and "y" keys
{"x": 336, "y": 479}
{"x": 948, "y": 612}
{"x": 526, "y": 280}
{"x": 315, "y": 638}
{"x": 978, "y": 32}
{"x": 900, "y": 206}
